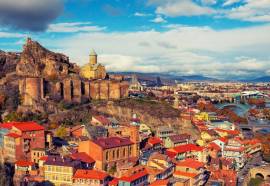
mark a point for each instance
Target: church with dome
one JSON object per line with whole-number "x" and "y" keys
{"x": 93, "y": 70}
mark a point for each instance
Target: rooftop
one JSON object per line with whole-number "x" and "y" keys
{"x": 22, "y": 163}
{"x": 6, "y": 125}
{"x": 82, "y": 156}
{"x": 187, "y": 148}
{"x": 112, "y": 142}
{"x": 179, "y": 137}
{"x": 13, "y": 135}
{"x": 134, "y": 177}
{"x": 27, "y": 126}
{"x": 90, "y": 174}
{"x": 191, "y": 163}
{"x": 154, "y": 140}
{"x": 61, "y": 161}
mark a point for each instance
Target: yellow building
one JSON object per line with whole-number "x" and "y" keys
{"x": 11, "y": 140}
{"x": 60, "y": 170}
{"x": 36, "y": 154}
{"x": 93, "y": 70}
{"x": 206, "y": 136}
{"x": 206, "y": 116}
{"x": 192, "y": 170}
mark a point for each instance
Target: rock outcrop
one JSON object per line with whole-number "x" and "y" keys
{"x": 37, "y": 61}
{"x": 8, "y": 62}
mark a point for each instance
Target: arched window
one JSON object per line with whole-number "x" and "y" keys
{"x": 117, "y": 153}
{"x": 82, "y": 88}
{"x": 62, "y": 90}
{"x": 71, "y": 89}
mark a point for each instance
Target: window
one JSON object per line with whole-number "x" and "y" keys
{"x": 124, "y": 152}
{"x": 107, "y": 155}
{"x": 117, "y": 153}
{"x": 82, "y": 88}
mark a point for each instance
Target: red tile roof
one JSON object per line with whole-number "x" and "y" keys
{"x": 13, "y": 135}
{"x": 90, "y": 174}
{"x": 191, "y": 163}
{"x": 160, "y": 183}
{"x": 171, "y": 154}
{"x": 82, "y": 156}
{"x": 6, "y": 125}
{"x": 102, "y": 119}
{"x": 112, "y": 142}
{"x": 43, "y": 158}
{"x": 114, "y": 182}
{"x": 134, "y": 177}
{"x": 154, "y": 140}
{"x": 223, "y": 139}
{"x": 214, "y": 146}
{"x": 185, "y": 174}
{"x": 229, "y": 176}
{"x": 187, "y": 148}
{"x": 231, "y": 132}
{"x": 22, "y": 163}
{"x": 27, "y": 126}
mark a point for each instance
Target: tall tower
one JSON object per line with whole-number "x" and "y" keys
{"x": 93, "y": 57}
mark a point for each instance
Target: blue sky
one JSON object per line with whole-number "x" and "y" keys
{"x": 227, "y": 39}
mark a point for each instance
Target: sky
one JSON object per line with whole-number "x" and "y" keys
{"x": 225, "y": 39}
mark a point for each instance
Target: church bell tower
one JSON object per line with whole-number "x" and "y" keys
{"x": 93, "y": 57}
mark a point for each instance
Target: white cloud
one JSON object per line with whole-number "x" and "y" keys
{"x": 159, "y": 19}
{"x": 180, "y": 49}
{"x": 74, "y": 27}
{"x": 11, "y": 35}
{"x": 245, "y": 10}
{"x": 174, "y": 8}
{"x": 209, "y": 2}
{"x": 230, "y": 2}
{"x": 140, "y": 14}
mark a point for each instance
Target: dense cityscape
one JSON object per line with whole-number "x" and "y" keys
{"x": 83, "y": 126}
{"x": 134, "y": 93}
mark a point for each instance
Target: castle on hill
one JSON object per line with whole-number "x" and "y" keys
{"x": 47, "y": 77}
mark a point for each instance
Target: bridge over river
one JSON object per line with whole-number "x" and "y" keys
{"x": 239, "y": 109}
{"x": 242, "y": 110}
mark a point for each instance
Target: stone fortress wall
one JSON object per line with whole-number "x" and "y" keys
{"x": 47, "y": 76}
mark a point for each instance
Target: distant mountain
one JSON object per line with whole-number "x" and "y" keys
{"x": 198, "y": 78}
{"x": 166, "y": 77}
{"x": 263, "y": 79}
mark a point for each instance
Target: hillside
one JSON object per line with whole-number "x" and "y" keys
{"x": 150, "y": 112}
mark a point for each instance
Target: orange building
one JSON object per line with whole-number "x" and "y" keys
{"x": 107, "y": 152}
{"x": 131, "y": 132}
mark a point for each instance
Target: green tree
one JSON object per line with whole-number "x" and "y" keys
{"x": 255, "y": 182}
{"x": 61, "y": 132}
{"x": 13, "y": 116}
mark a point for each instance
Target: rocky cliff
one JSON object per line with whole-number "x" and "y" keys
{"x": 37, "y": 61}
{"x": 151, "y": 113}
{"x": 8, "y": 62}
